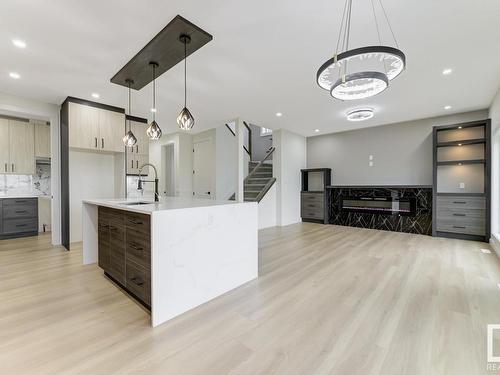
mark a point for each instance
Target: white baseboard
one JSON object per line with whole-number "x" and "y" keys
{"x": 495, "y": 243}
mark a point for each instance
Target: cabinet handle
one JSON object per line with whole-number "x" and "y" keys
{"x": 458, "y": 227}
{"x": 457, "y": 202}
{"x": 5, "y": 167}
{"x": 135, "y": 247}
{"x": 136, "y": 149}
{"x": 95, "y": 142}
{"x": 102, "y": 142}
{"x": 136, "y": 282}
{"x": 137, "y": 164}
{"x": 20, "y": 225}
{"x": 458, "y": 214}
{"x": 21, "y": 212}
{"x": 135, "y": 222}
{"x": 12, "y": 167}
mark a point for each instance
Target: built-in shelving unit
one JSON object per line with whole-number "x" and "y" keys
{"x": 461, "y": 187}
{"x": 313, "y": 198}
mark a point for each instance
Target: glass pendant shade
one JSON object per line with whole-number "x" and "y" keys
{"x": 153, "y": 131}
{"x": 129, "y": 139}
{"x": 360, "y": 85}
{"x": 185, "y": 120}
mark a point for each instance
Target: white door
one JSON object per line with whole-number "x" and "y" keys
{"x": 202, "y": 177}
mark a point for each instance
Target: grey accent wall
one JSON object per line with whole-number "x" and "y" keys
{"x": 402, "y": 152}
{"x": 260, "y": 144}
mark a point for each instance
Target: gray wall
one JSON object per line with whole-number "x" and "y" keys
{"x": 260, "y": 144}
{"x": 402, "y": 152}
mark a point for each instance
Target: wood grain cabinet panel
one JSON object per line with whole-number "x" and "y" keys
{"x": 42, "y": 139}
{"x": 124, "y": 250}
{"x": 111, "y": 131}
{"x": 83, "y": 126}
{"x": 22, "y": 147}
{"x": 4, "y": 146}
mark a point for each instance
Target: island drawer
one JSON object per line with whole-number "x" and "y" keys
{"x": 312, "y": 197}
{"x": 138, "y": 222}
{"x": 139, "y": 248}
{"x": 139, "y": 282}
{"x": 8, "y": 202}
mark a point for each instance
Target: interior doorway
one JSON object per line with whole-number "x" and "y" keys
{"x": 202, "y": 178}
{"x": 168, "y": 162}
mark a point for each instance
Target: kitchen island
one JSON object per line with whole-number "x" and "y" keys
{"x": 172, "y": 255}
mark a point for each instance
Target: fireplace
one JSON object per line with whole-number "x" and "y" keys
{"x": 395, "y": 208}
{"x": 380, "y": 205}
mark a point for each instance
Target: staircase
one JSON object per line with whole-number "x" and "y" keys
{"x": 259, "y": 180}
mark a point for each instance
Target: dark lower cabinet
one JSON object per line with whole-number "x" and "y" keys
{"x": 18, "y": 217}
{"x": 125, "y": 250}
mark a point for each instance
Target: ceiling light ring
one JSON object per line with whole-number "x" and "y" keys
{"x": 336, "y": 61}
{"x": 360, "y": 114}
{"x": 349, "y": 78}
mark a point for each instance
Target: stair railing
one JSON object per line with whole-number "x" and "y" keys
{"x": 249, "y": 149}
{"x": 269, "y": 153}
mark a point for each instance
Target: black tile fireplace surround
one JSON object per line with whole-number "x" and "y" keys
{"x": 394, "y": 208}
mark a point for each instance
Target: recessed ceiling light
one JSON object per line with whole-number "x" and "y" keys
{"x": 14, "y": 75}
{"x": 459, "y": 127}
{"x": 360, "y": 114}
{"x": 460, "y": 144}
{"x": 19, "y": 43}
{"x": 96, "y": 95}
{"x": 447, "y": 107}
{"x": 447, "y": 71}
{"x": 316, "y": 130}
{"x": 153, "y": 110}
{"x": 279, "y": 114}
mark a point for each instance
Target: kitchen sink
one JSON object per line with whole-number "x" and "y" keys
{"x": 135, "y": 203}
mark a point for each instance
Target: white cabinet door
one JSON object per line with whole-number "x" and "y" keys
{"x": 83, "y": 127}
{"x": 42, "y": 139}
{"x": 22, "y": 147}
{"x": 111, "y": 131}
{"x": 4, "y": 146}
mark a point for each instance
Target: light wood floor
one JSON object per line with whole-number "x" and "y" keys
{"x": 329, "y": 300}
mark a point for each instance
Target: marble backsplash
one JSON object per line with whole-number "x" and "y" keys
{"x": 37, "y": 184}
{"x": 132, "y": 191}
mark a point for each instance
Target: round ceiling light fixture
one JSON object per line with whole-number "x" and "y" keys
{"x": 359, "y": 85}
{"x": 360, "y": 72}
{"x": 360, "y": 114}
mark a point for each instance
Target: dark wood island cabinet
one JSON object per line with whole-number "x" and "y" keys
{"x": 124, "y": 250}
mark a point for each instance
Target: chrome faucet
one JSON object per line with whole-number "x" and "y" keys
{"x": 140, "y": 181}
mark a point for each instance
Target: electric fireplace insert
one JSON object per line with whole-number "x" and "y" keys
{"x": 380, "y": 205}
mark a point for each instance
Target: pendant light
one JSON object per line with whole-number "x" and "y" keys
{"x": 154, "y": 131}
{"x": 129, "y": 139}
{"x": 361, "y": 72}
{"x": 185, "y": 120}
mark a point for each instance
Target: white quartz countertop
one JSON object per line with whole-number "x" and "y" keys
{"x": 22, "y": 195}
{"x": 167, "y": 203}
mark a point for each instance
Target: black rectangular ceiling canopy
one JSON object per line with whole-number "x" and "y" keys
{"x": 165, "y": 49}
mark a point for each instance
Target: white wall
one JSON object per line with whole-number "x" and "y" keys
{"x": 267, "y": 209}
{"x": 225, "y": 163}
{"x": 289, "y": 158}
{"x": 402, "y": 152}
{"x": 91, "y": 176}
{"x": 22, "y": 107}
{"x": 494, "y": 115}
{"x": 183, "y": 154}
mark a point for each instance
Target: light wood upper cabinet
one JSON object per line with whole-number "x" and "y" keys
{"x": 22, "y": 147}
{"x": 4, "y": 146}
{"x": 42, "y": 139}
{"x": 111, "y": 131}
{"x": 83, "y": 126}
{"x": 96, "y": 129}
{"x": 139, "y": 130}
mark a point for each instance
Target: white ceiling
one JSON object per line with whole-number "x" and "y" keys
{"x": 263, "y": 58}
